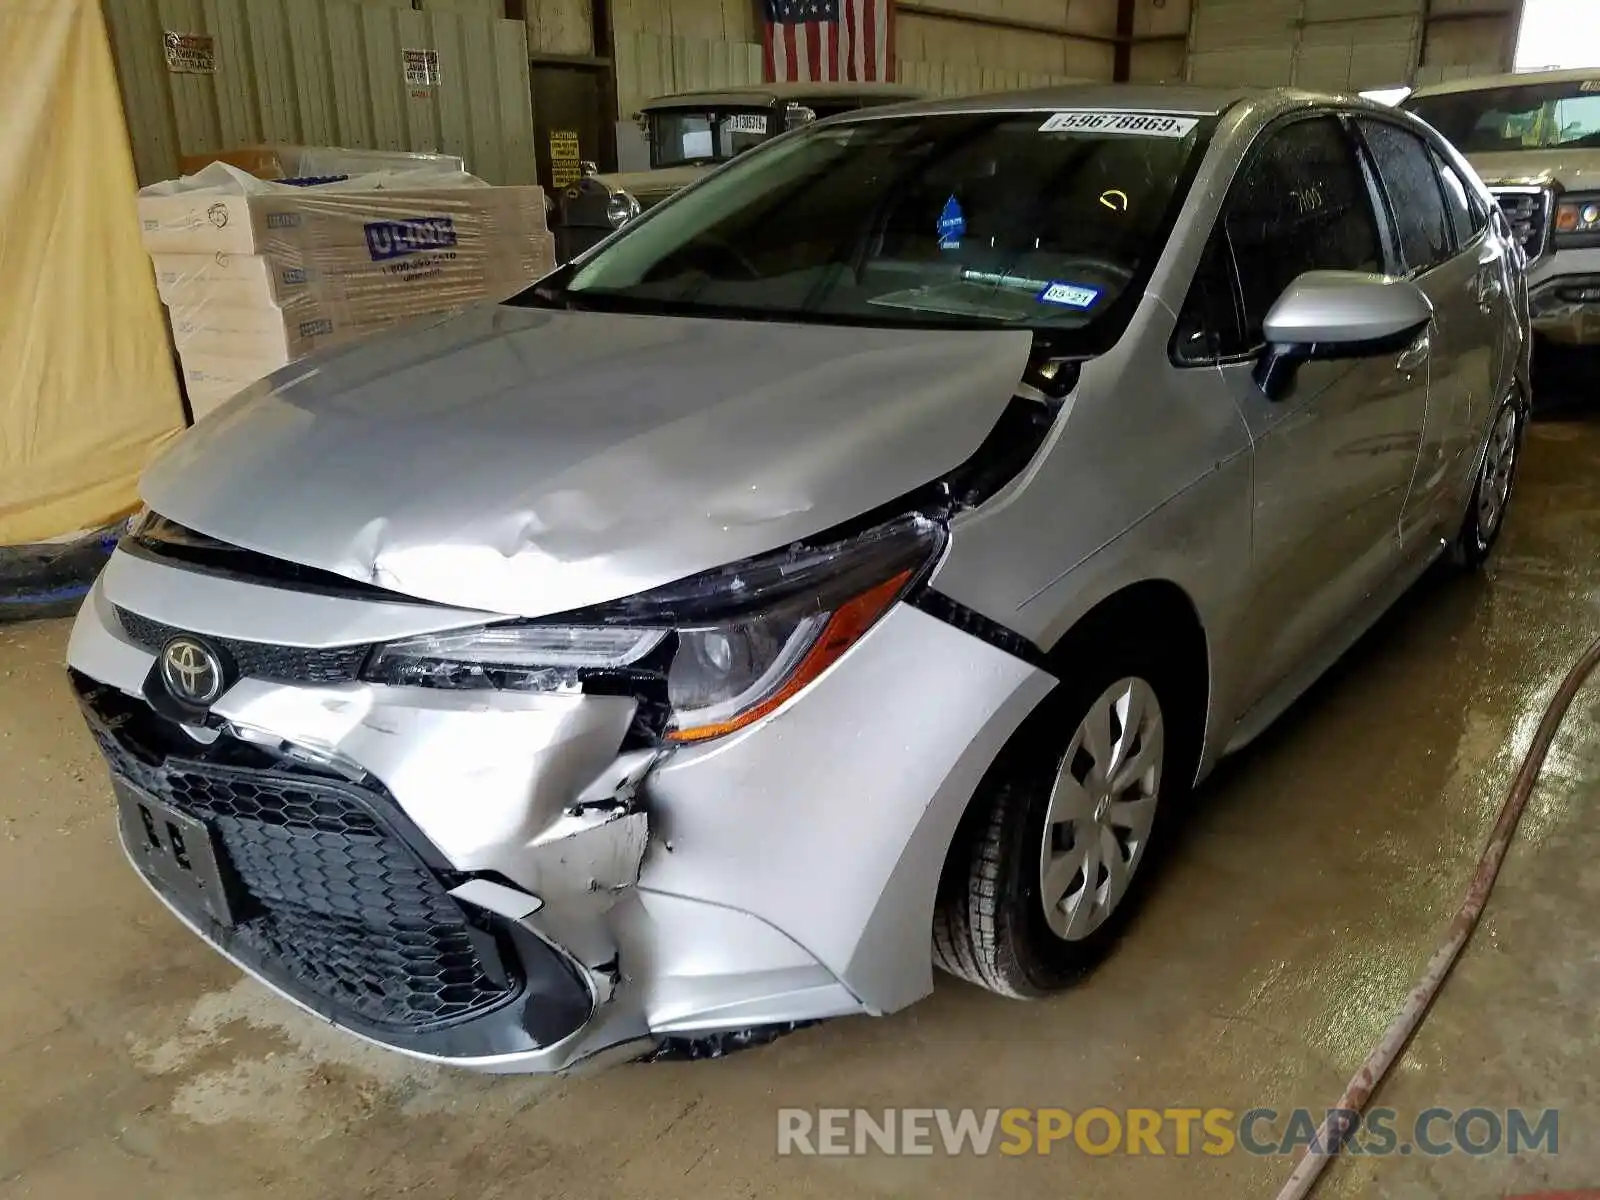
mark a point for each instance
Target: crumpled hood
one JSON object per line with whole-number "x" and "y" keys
{"x": 1574, "y": 170}
{"x": 527, "y": 461}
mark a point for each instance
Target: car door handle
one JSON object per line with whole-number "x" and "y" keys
{"x": 1488, "y": 292}
{"x": 1414, "y": 355}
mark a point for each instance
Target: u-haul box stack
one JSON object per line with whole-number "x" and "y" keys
{"x": 256, "y": 275}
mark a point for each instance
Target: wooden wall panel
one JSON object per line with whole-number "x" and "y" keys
{"x": 325, "y": 72}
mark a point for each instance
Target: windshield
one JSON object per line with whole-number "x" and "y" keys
{"x": 680, "y": 136}
{"x": 1021, "y": 219}
{"x": 1538, "y": 116}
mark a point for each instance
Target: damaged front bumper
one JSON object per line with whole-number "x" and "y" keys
{"x": 1564, "y": 297}
{"x": 503, "y": 881}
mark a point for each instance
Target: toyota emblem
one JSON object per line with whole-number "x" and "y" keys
{"x": 192, "y": 672}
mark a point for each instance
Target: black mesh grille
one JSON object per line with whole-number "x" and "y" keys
{"x": 333, "y": 899}
{"x": 259, "y": 660}
{"x": 1528, "y": 211}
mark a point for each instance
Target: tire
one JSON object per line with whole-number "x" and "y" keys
{"x": 991, "y": 925}
{"x": 1491, "y": 488}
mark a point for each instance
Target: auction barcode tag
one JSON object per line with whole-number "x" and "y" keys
{"x": 1136, "y": 123}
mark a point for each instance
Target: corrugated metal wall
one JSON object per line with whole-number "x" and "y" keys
{"x": 323, "y": 72}
{"x": 682, "y": 45}
{"x": 1160, "y": 33}
{"x": 559, "y": 26}
{"x": 1468, "y": 37}
{"x": 960, "y": 46}
{"x": 1333, "y": 45}
{"x": 948, "y": 47}
{"x": 1349, "y": 44}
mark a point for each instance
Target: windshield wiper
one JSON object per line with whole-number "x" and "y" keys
{"x": 1004, "y": 279}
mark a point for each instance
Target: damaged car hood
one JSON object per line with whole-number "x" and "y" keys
{"x": 528, "y": 461}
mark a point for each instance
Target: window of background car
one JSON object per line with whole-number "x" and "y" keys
{"x": 1537, "y": 116}
{"x": 1465, "y": 218}
{"x": 976, "y": 218}
{"x": 741, "y": 131}
{"x": 1301, "y": 204}
{"x": 680, "y": 137}
{"x": 1415, "y": 197}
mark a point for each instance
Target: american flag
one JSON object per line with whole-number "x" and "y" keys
{"x": 829, "y": 40}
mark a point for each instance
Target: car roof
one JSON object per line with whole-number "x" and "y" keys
{"x": 1178, "y": 99}
{"x": 764, "y": 94}
{"x": 1514, "y": 79}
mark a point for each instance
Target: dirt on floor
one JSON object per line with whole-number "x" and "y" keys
{"x": 1308, "y": 888}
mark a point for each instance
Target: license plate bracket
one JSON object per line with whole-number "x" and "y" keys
{"x": 179, "y": 852}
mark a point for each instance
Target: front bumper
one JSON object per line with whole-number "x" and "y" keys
{"x": 573, "y": 898}
{"x": 1564, "y": 296}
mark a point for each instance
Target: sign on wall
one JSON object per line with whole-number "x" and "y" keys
{"x": 190, "y": 53}
{"x": 565, "y": 166}
{"x": 422, "y": 68}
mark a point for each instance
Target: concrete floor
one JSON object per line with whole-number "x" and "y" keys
{"x": 1307, "y": 891}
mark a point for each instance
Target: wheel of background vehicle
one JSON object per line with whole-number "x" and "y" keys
{"x": 1052, "y": 858}
{"x": 1491, "y": 493}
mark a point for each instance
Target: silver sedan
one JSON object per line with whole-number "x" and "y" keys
{"x": 842, "y": 571}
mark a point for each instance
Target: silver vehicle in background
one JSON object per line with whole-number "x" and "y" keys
{"x": 1535, "y": 139}
{"x": 849, "y": 568}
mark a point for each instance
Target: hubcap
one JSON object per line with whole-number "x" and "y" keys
{"x": 1102, "y": 807}
{"x": 1494, "y": 488}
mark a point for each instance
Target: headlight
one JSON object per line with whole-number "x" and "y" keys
{"x": 1581, "y": 215}
{"x": 621, "y": 208}
{"x": 512, "y": 657}
{"x": 735, "y": 643}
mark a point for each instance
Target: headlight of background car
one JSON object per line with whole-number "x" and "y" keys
{"x": 1578, "y": 214}
{"x": 621, "y": 207}
{"x": 745, "y": 637}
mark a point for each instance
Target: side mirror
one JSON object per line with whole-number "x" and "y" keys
{"x": 1338, "y": 314}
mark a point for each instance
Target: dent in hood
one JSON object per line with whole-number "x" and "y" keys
{"x": 529, "y": 462}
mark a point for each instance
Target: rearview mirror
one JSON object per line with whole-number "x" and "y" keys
{"x": 1338, "y": 314}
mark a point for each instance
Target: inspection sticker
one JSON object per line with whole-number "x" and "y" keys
{"x": 951, "y": 225}
{"x": 1141, "y": 124}
{"x": 1069, "y": 295}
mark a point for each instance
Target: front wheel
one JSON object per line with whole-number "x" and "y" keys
{"x": 1047, "y": 868}
{"x": 1491, "y": 490}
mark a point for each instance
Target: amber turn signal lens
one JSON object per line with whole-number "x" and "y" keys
{"x": 844, "y": 629}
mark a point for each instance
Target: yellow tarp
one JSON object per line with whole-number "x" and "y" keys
{"x": 87, "y": 390}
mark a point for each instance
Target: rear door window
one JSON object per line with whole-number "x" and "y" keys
{"x": 1415, "y": 198}
{"x": 1465, "y": 218}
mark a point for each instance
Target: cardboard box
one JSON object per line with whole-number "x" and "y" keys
{"x": 256, "y": 275}
{"x": 262, "y": 334}
{"x": 292, "y": 224}
{"x": 299, "y": 162}
{"x": 353, "y": 287}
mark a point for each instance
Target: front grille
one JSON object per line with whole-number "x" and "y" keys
{"x": 259, "y": 660}
{"x": 1527, "y": 209}
{"x": 333, "y": 902}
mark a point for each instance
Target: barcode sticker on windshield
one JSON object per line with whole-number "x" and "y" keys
{"x": 1589, "y": 85}
{"x": 746, "y": 123}
{"x": 1139, "y": 124}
